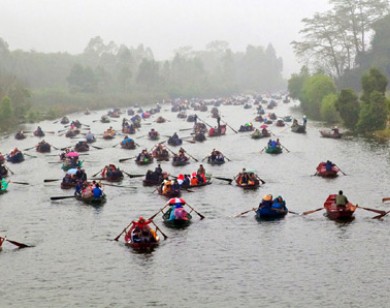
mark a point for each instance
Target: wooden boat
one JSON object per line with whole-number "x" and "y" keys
{"x": 143, "y": 244}
{"x": 109, "y": 134}
{"x": 271, "y": 210}
{"x": 330, "y": 134}
{"x": 43, "y": 147}
{"x": 68, "y": 185}
{"x": 213, "y": 132}
{"x": 335, "y": 212}
{"x": 76, "y": 124}
{"x": 15, "y": 158}
{"x": 20, "y": 135}
{"x": 114, "y": 114}
{"x": 153, "y": 135}
{"x": 170, "y": 193}
{"x": 81, "y": 146}
{"x": 110, "y": 175}
{"x": 105, "y": 119}
{"x": 273, "y": 150}
{"x": 298, "y": 128}
{"x": 128, "y": 145}
{"x": 90, "y": 138}
{"x": 177, "y": 222}
{"x": 252, "y": 180}
{"x": 92, "y": 200}
{"x": 129, "y": 129}
{"x": 246, "y": 128}
{"x": 196, "y": 186}
{"x": 280, "y": 123}
{"x": 180, "y": 161}
{"x": 71, "y": 164}
{"x": 323, "y": 172}
{"x": 147, "y": 160}
{"x": 175, "y": 141}
{"x": 216, "y": 161}
{"x": 182, "y": 115}
{"x": 160, "y": 120}
{"x": 38, "y": 133}
{"x": 259, "y": 134}
{"x": 72, "y": 132}
{"x": 64, "y": 120}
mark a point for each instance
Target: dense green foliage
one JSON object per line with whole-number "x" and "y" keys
{"x": 111, "y": 75}
{"x": 347, "y": 105}
{"x": 328, "y": 109}
{"x": 315, "y": 88}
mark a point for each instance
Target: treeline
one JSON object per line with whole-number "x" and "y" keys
{"x": 320, "y": 99}
{"x": 106, "y": 74}
{"x": 345, "y": 64}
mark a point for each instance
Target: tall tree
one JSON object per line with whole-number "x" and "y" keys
{"x": 347, "y": 104}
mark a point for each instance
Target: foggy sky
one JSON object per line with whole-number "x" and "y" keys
{"x": 162, "y": 25}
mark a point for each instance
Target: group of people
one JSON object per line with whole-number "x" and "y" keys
{"x": 144, "y": 157}
{"x": 160, "y": 152}
{"x": 175, "y": 140}
{"x": 274, "y": 143}
{"x": 87, "y": 190}
{"x": 216, "y": 156}
{"x": 181, "y": 156}
{"x": 141, "y": 232}
{"x": 128, "y": 128}
{"x": 128, "y": 143}
{"x": 269, "y": 202}
{"x": 153, "y": 134}
{"x": 247, "y": 178}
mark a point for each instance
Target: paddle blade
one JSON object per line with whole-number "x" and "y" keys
{"x": 20, "y": 245}
{"x": 20, "y": 183}
{"x": 62, "y": 197}
{"x": 380, "y": 216}
{"x": 385, "y": 199}
{"x": 51, "y": 180}
{"x": 380, "y": 212}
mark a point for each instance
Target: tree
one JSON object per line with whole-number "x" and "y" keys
{"x": 296, "y": 82}
{"x": 315, "y": 88}
{"x": 347, "y": 104}
{"x": 82, "y": 79}
{"x": 5, "y": 110}
{"x": 372, "y": 81}
{"x": 373, "y": 115}
{"x": 148, "y": 74}
{"x": 328, "y": 109}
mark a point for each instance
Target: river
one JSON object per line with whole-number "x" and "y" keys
{"x": 220, "y": 261}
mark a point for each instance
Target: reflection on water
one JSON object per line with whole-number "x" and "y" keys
{"x": 220, "y": 261}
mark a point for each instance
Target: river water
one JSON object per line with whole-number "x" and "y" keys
{"x": 220, "y": 261}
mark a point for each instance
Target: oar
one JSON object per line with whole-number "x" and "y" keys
{"x": 163, "y": 234}
{"x": 160, "y": 210}
{"x": 85, "y": 125}
{"x": 184, "y": 129}
{"x": 123, "y": 231}
{"x": 295, "y": 213}
{"x": 263, "y": 150}
{"x": 243, "y": 213}
{"x": 9, "y": 170}
{"x": 97, "y": 173}
{"x": 200, "y": 215}
{"x": 20, "y": 245}
{"x": 51, "y": 180}
{"x": 97, "y": 148}
{"x": 205, "y": 157}
{"x": 261, "y": 180}
{"x": 380, "y": 216}
{"x": 204, "y": 122}
{"x": 21, "y": 183}
{"x": 372, "y": 210}
{"x": 312, "y": 211}
{"x": 287, "y": 149}
{"x": 113, "y": 185}
{"x": 383, "y": 199}
{"x": 32, "y": 156}
{"x": 124, "y": 159}
{"x": 28, "y": 149}
{"x": 224, "y": 179}
{"x": 227, "y": 158}
{"x": 133, "y": 175}
{"x": 190, "y": 155}
{"x": 342, "y": 171}
{"x": 62, "y": 197}
{"x": 231, "y": 127}
{"x": 114, "y": 146}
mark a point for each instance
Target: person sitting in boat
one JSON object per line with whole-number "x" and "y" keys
{"x": 78, "y": 188}
{"x": 267, "y": 201}
{"x": 2, "y": 158}
{"x": 252, "y": 179}
{"x": 295, "y": 122}
{"x": 335, "y": 131}
{"x": 2, "y": 239}
{"x": 277, "y": 142}
{"x": 304, "y": 120}
{"x": 3, "y": 171}
{"x": 80, "y": 174}
{"x": 194, "y": 180}
{"x": 341, "y": 200}
{"x": 186, "y": 180}
{"x": 175, "y": 185}
{"x": 39, "y": 131}
{"x": 127, "y": 141}
{"x": 166, "y": 187}
{"x": 329, "y": 165}
{"x": 279, "y": 203}
{"x": 264, "y": 131}
{"x": 97, "y": 191}
{"x": 153, "y": 133}
{"x": 158, "y": 169}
